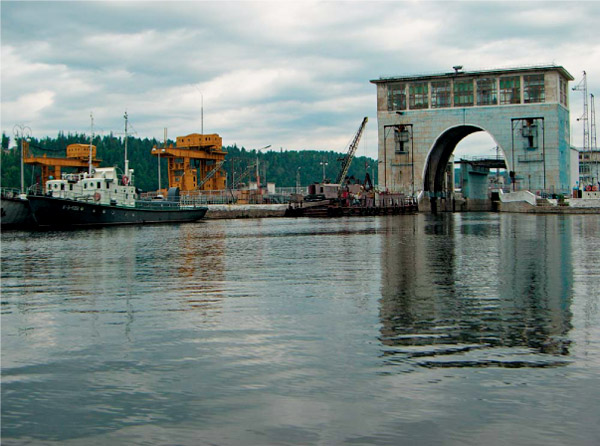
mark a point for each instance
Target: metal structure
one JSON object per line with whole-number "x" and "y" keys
{"x": 210, "y": 174}
{"x": 243, "y": 176}
{"x": 582, "y": 86}
{"x": 347, "y": 160}
{"x": 593, "y": 146}
{"x": 78, "y": 157}
{"x": 193, "y": 158}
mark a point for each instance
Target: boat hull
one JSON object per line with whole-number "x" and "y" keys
{"x": 60, "y": 212}
{"x": 15, "y": 213}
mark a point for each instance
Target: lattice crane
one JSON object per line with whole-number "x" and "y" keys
{"x": 347, "y": 160}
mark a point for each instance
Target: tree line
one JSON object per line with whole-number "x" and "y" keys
{"x": 284, "y": 168}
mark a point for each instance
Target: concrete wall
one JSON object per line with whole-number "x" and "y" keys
{"x": 431, "y": 127}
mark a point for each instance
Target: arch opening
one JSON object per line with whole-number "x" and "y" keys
{"x": 436, "y": 173}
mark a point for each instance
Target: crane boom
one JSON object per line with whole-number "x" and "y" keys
{"x": 351, "y": 151}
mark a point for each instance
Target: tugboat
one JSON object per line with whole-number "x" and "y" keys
{"x": 100, "y": 197}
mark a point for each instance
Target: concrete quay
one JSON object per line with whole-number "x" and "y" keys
{"x": 222, "y": 211}
{"x": 516, "y": 203}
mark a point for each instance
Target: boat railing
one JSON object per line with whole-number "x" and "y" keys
{"x": 9, "y": 192}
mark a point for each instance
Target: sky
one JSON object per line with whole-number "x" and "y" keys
{"x": 293, "y": 75}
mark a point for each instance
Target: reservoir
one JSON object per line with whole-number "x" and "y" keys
{"x": 453, "y": 329}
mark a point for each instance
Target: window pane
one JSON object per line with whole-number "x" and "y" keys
{"x": 418, "y": 96}
{"x": 533, "y": 88}
{"x": 510, "y": 90}
{"x": 563, "y": 92}
{"x": 440, "y": 94}
{"x": 397, "y": 97}
{"x": 463, "y": 93}
{"x": 486, "y": 92}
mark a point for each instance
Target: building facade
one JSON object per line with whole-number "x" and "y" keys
{"x": 421, "y": 119}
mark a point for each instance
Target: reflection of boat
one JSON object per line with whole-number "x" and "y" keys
{"x": 101, "y": 198}
{"x": 14, "y": 209}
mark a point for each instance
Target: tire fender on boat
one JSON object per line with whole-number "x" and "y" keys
{"x": 97, "y": 196}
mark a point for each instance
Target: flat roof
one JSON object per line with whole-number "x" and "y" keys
{"x": 459, "y": 73}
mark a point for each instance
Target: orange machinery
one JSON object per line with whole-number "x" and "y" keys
{"x": 195, "y": 162}
{"x": 77, "y": 157}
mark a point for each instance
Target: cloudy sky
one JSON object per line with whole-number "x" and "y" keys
{"x": 291, "y": 74}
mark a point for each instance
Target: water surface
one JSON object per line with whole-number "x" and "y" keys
{"x": 459, "y": 329}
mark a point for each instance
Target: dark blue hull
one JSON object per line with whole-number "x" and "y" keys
{"x": 59, "y": 212}
{"x": 15, "y": 213}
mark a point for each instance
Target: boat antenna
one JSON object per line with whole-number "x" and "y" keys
{"x": 91, "y": 141}
{"x": 126, "y": 160}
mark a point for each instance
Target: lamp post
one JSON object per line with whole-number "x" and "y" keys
{"x": 298, "y": 180}
{"x": 257, "y": 171}
{"x": 22, "y": 131}
{"x": 323, "y": 163}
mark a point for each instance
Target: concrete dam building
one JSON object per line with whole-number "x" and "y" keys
{"x": 421, "y": 119}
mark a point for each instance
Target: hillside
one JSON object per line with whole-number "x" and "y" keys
{"x": 281, "y": 166}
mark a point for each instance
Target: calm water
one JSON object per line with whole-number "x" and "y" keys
{"x": 460, "y": 329}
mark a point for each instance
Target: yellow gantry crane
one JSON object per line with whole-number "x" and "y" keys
{"x": 195, "y": 161}
{"x": 77, "y": 157}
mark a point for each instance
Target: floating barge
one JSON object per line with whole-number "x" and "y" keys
{"x": 352, "y": 200}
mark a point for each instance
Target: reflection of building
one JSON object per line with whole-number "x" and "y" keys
{"x": 453, "y": 284}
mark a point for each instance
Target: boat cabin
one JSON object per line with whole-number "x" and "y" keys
{"x": 102, "y": 186}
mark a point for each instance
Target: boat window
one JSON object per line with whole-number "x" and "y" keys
{"x": 99, "y": 185}
{"x": 85, "y": 185}
{"x": 62, "y": 186}
{"x": 70, "y": 187}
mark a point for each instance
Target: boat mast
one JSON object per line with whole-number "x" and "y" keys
{"x": 91, "y": 141}
{"x": 126, "y": 160}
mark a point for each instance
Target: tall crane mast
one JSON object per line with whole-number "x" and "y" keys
{"x": 582, "y": 86}
{"x": 593, "y": 147}
{"x": 351, "y": 151}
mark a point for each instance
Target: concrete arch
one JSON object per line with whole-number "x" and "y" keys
{"x": 430, "y": 114}
{"x": 440, "y": 152}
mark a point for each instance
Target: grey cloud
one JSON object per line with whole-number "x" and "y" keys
{"x": 151, "y": 57}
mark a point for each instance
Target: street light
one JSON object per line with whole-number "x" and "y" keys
{"x": 257, "y": 172}
{"x": 298, "y": 180}
{"x": 22, "y": 131}
{"x": 323, "y": 163}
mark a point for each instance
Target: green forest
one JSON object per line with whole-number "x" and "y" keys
{"x": 279, "y": 167}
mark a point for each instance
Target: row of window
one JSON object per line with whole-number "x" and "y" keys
{"x": 468, "y": 92}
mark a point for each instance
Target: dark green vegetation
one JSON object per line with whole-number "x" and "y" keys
{"x": 282, "y": 167}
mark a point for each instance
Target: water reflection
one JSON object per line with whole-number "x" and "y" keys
{"x": 472, "y": 291}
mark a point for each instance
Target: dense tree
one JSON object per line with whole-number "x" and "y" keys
{"x": 279, "y": 167}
